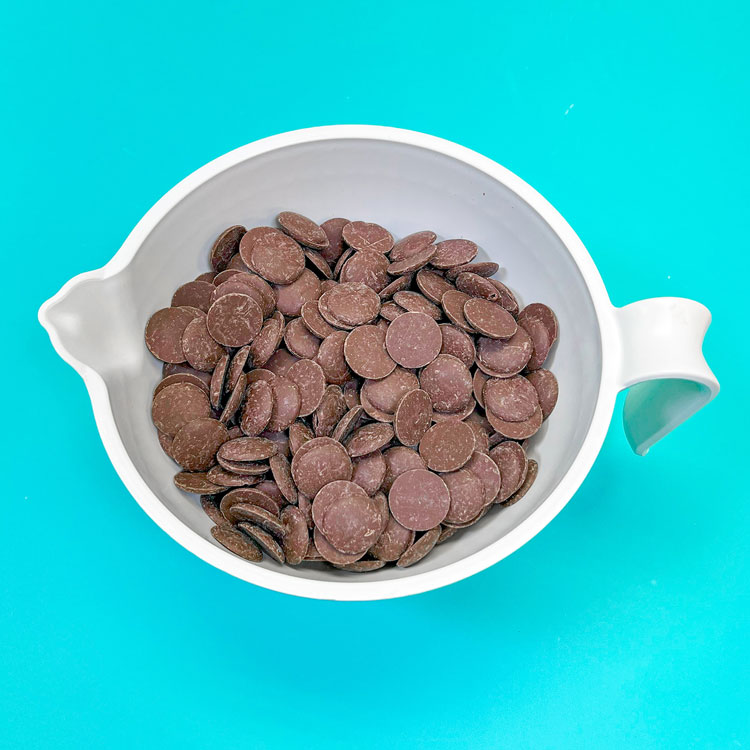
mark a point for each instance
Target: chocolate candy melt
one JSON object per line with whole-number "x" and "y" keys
{"x": 339, "y": 397}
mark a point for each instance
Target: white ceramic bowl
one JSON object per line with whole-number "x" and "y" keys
{"x": 406, "y": 181}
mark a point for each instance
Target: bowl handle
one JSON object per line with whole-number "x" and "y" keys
{"x": 89, "y": 325}
{"x": 663, "y": 366}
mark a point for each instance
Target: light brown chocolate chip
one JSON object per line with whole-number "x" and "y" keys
{"x": 347, "y": 423}
{"x": 225, "y": 246}
{"x": 482, "y": 513}
{"x": 236, "y": 542}
{"x": 351, "y": 521}
{"x": 165, "y": 441}
{"x": 333, "y": 229}
{"x": 296, "y": 537}
{"x": 386, "y": 393}
{"x": 507, "y": 299}
{"x": 369, "y": 472}
{"x": 448, "y": 382}
{"x": 362, "y": 566}
{"x": 478, "y": 382}
{"x": 368, "y": 267}
{"x": 453, "y": 303}
{"x": 318, "y": 462}
{"x": 237, "y": 264}
{"x": 236, "y": 368}
{"x": 312, "y": 552}
{"x": 280, "y": 438}
{"x": 480, "y": 268}
{"x": 390, "y": 311}
{"x": 223, "y": 276}
{"x": 416, "y": 302}
{"x": 269, "y": 487}
{"x": 238, "y": 284}
{"x": 281, "y": 362}
{"x": 234, "y": 402}
{"x": 446, "y": 532}
{"x": 503, "y": 358}
{"x": 331, "y": 358}
{"x": 531, "y": 475}
{"x": 331, "y": 409}
{"x": 310, "y": 380}
{"x": 259, "y": 516}
{"x": 458, "y": 344}
{"x": 366, "y": 354}
{"x": 420, "y": 549}
{"x": 286, "y": 404}
{"x": 319, "y": 263}
{"x": 180, "y": 377}
{"x": 248, "y": 449}
{"x": 433, "y": 285}
{"x": 477, "y": 286}
{"x": 200, "y": 349}
{"x": 363, "y": 235}
{"x": 393, "y": 542}
{"x": 256, "y": 412}
{"x": 348, "y": 252}
{"x": 467, "y": 496}
{"x": 177, "y": 405}
{"x": 352, "y": 304}
{"x": 210, "y": 507}
{"x": 489, "y": 318}
{"x": 546, "y": 387}
{"x": 483, "y": 467}
{"x": 234, "y": 320}
{"x": 164, "y": 333}
{"x": 414, "y": 262}
{"x": 447, "y": 445}
{"x": 511, "y": 399}
{"x": 516, "y": 430}
{"x": 314, "y": 321}
{"x": 276, "y": 257}
{"x": 398, "y": 284}
{"x": 299, "y": 341}
{"x": 216, "y": 388}
{"x": 371, "y": 437}
{"x": 411, "y": 245}
{"x": 219, "y": 475}
{"x": 263, "y": 539}
{"x": 282, "y": 475}
{"x": 511, "y": 460}
{"x": 398, "y": 460}
{"x": 413, "y": 417}
{"x": 299, "y": 434}
{"x": 248, "y": 495}
{"x": 265, "y": 343}
{"x": 196, "y": 482}
{"x": 452, "y": 253}
{"x": 439, "y": 416}
{"x": 194, "y": 294}
{"x": 482, "y": 430}
{"x": 418, "y": 497}
{"x": 302, "y": 229}
{"x": 413, "y": 340}
{"x": 291, "y": 297}
{"x": 351, "y": 393}
{"x": 195, "y": 444}
{"x": 329, "y": 553}
{"x": 183, "y": 369}
{"x": 541, "y": 325}
{"x": 246, "y": 468}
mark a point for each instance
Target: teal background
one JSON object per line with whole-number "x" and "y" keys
{"x": 624, "y": 624}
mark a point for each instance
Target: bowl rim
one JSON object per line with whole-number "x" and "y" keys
{"x": 353, "y": 590}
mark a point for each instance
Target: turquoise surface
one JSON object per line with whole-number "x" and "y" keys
{"x": 624, "y": 624}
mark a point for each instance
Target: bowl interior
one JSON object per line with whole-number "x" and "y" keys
{"x": 405, "y": 188}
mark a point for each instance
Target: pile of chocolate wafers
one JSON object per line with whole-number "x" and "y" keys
{"x": 334, "y": 395}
